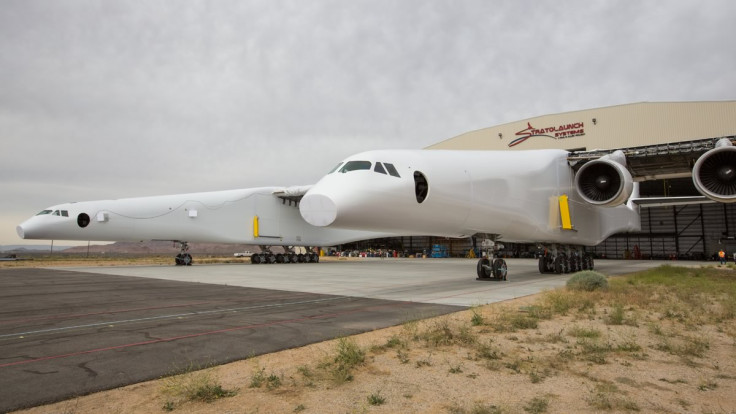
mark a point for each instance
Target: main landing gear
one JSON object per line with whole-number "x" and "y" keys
{"x": 564, "y": 259}
{"x": 289, "y": 256}
{"x": 183, "y": 258}
{"x": 490, "y": 268}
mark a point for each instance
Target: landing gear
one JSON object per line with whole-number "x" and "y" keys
{"x": 183, "y": 258}
{"x": 564, "y": 259}
{"x": 289, "y": 256}
{"x": 490, "y": 268}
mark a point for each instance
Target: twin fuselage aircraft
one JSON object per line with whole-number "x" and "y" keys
{"x": 555, "y": 198}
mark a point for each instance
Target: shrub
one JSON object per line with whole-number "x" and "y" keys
{"x": 588, "y": 281}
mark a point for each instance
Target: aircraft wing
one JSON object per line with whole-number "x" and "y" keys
{"x": 653, "y": 162}
{"x": 606, "y": 177}
{"x": 670, "y": 201}
{"x": 292, "y": 194}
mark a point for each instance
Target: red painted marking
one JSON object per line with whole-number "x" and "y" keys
{"x": 195, "y": 335}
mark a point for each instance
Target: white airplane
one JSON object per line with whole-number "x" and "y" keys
{"x": 561, "y": 200}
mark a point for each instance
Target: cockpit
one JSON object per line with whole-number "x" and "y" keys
{"x": 380, "y": 167}
{"x": 62, "y": 213}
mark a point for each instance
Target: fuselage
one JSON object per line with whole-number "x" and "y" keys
{"x": 510, "y": 194}
{"x": 513, "y": 194}
{"x": 219, "y": 217}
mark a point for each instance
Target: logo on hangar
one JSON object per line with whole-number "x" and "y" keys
{"x": 575, "y": 129}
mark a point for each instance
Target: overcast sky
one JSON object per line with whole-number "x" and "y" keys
{"x": 110, "y": 99}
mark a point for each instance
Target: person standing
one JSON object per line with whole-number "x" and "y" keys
{"x": 722, "y": 256}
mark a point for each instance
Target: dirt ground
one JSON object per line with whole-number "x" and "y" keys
{"x": 511, "y": 357}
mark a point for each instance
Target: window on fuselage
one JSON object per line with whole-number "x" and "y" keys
{"x": 334, "y": 169}
{"x": 391, "y": 169}
{"x": 355, "y": 165}
{"x": 379, "y": 168}
{"x": 43, "y": 213}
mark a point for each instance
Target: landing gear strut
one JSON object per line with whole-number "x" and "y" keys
{"x": 289, "y": 256}
{"x": 564, "y": 259}
{"x": 183, "y": 258}
{"x": 490, "y": 268}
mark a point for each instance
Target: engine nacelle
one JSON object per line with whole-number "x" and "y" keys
{"x": 606, "y": 181}
{"x": 714, "y": 174}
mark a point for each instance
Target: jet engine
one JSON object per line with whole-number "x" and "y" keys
{"x": 606, "y": 181}
{"x": 714, "y": 173}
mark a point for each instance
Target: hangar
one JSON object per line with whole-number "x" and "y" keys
{"x": 684, "y": 232}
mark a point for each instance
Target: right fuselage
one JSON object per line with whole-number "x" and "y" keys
{"x": 513, "y": 194}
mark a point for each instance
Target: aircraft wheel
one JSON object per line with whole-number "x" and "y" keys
{"x": 270, "y": 259}
{"x": 300, "y": 258}
{"x": 255, "y": 259}
{"x": 187, "y": 259}
{"x": 316, "y": 258}
{"x": 558, "y": 264}
{"x": 279, "y": 258}
{"x": 483, "y": 268}
{"x": 293, "y": 258}
{"x": 542, "y": 264}
{"x": 177, "y": 260}
{"x": 500, "y": 269}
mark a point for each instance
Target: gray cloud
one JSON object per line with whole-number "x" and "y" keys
{"x": 107, "y": 98}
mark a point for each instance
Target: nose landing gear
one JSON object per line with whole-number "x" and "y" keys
{"x": 183, "y": 258}
{"x": 490, "y": 268}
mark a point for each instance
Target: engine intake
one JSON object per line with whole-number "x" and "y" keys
{"x": 606, "y": 181}
{"x": 714, "y": 173}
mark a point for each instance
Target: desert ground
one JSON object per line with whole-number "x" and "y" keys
{"x": 663, "y": 341}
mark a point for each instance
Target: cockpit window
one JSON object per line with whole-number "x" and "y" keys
{"x": 43, "y": 213}
{"x": 335, "y": 169}
{"x": 64, "y": 213}
{"x": 379, "y": 168}
{"x": 56, "y": 213}
{"x": 391, "y": 169}
{"x": 355, "y": 165}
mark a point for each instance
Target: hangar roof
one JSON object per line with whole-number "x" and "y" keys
{"x": 621, "y": 126}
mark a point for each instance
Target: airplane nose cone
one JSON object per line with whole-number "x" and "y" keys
{"x": 318, "y": 209}
{"x": 21, "y": 232}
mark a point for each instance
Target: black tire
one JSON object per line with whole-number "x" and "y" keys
{"x": 279, "y": 258}
{"x": 500, "y": 269}
{"x": 543, "y": 264}
{"x": 187, "y": 259}
{"x": 558, "y": 265}
{"x": 316, "y": 258}
{"x": 300, "y": 258}
{"x": 293, "y": 258}
{"x": 255, "y": 259}
{"x": 177, "y": 260}
{"x": 270, "y": 259}
{"x": 484, "y": 272}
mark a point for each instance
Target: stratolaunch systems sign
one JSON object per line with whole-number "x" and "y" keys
{"x": 555, "y": 132}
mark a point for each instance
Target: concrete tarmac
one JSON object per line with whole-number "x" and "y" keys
{"x": 66, "y": 333}
{"x": 73, "y": 331}
{"x": 440, "y": 281}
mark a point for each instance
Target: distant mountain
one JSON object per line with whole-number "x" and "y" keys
{"x": 31, "y": 248}
{"x": 165, "y": 248}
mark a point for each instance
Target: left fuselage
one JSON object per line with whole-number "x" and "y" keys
{"x": 217, "y": 217}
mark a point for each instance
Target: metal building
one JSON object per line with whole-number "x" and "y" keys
{"x": 692, "y": 231}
